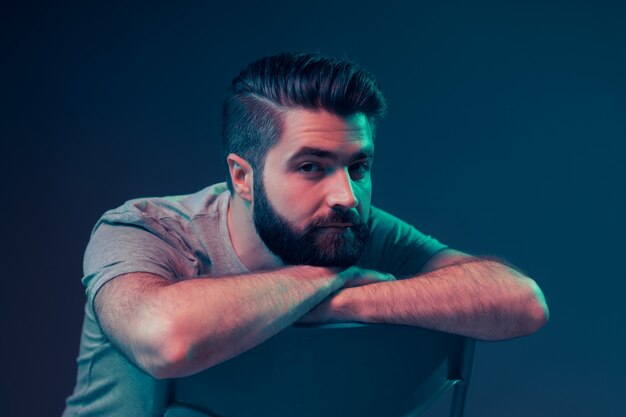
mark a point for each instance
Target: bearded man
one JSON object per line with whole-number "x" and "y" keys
{"x": 176, "y": 285}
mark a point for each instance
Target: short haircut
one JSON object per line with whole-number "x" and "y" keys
{"x": 265, "y": 89}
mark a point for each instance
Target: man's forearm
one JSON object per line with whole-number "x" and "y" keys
{"x": 478, "y": 298}
{"x": 172, "y": 330}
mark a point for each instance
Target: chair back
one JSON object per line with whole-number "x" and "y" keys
{"x": 331, "y": 370}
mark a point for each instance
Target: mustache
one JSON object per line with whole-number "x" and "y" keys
{"x": 336, "y": 216}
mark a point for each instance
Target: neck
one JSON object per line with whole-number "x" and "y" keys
{"x": 247, "y": 244}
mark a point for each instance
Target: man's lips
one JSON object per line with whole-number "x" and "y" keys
{"x": 338, "y": 225}
{"x": 335, "y": 228}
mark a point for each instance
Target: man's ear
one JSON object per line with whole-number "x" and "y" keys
{"x": 241, "y": 174}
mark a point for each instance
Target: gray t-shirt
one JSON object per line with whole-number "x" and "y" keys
{"x": 177, "y": 238}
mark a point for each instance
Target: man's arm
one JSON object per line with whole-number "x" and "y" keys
{"x": 176, "y": 329}
{"x": 456, "y": 293}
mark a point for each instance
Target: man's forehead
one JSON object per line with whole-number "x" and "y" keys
{"x": 323, "y": 121}
{"x": 306, "y": 130}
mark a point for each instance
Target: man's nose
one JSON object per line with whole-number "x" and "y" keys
{"x": 341, "y": 194}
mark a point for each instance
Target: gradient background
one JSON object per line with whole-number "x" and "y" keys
{"x": 506, "y": 135}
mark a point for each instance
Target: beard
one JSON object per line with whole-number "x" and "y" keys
{"x": 309, "y": 246}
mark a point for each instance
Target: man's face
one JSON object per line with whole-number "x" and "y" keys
{"x": 312, "y": 200}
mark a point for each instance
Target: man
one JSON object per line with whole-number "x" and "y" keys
{"x": 177, "y": 285}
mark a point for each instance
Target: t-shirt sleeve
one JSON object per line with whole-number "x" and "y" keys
{"x": 117, "y": 249}
{"x": 396, "y": 247}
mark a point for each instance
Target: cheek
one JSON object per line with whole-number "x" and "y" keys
{"x": 293, "y": 200}
{"x": 299, "y": 200}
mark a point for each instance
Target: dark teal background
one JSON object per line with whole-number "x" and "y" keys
{"x": 506, "y": 136}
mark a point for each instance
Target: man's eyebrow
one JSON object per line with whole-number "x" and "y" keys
{"x": 322, "y": 153}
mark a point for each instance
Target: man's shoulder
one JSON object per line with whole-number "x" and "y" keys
{"x": 396, "y": 246}
{"x": 170, "y": 236}
{"x": 383, "y": 221}
{"x": 384, "y": 225}
{"x": 144, "y": 211}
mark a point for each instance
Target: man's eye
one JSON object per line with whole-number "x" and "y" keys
{"x": 310, "y": 167}
{"x": 360, "y": 167}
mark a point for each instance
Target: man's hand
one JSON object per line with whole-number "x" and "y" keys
{"x": 355, "y": 277}
{"x": 326, "y": 311}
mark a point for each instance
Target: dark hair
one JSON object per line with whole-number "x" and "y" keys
{"x": 257, "y": 97}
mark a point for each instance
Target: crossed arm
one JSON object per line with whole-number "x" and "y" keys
{"x": 171, "y": 330}
{"x": 480, "y": 298}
